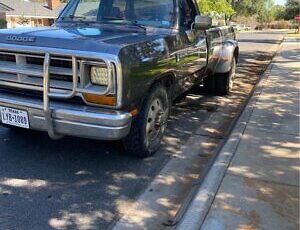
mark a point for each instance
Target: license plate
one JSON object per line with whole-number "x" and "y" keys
{"x": 14, "y": 117}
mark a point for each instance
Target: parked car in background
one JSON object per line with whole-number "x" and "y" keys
{"x": 259, "y": 27}
{"x": 247, "y": 28}
{"x": 236, "y": 28}
{"x": 241, "y": 27}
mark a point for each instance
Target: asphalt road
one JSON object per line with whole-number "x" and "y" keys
{"x": 75, "y": 183}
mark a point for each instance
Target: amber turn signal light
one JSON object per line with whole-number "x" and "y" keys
{"x": 100, "y": 100}
{"x": 134, "y": 112}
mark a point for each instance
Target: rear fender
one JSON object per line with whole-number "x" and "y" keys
{"x": 229, "y": 51}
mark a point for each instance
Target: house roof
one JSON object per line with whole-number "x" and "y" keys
{"x": 4, "y": 8}
{"x": 29, "y": 9}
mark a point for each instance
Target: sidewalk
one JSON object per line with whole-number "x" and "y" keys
{"x": 260, "y": 188}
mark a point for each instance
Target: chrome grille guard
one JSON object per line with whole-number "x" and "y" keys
{"x": 47, "y": 94}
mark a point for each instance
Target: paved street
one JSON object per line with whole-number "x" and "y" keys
{"x": 84, "y": 184}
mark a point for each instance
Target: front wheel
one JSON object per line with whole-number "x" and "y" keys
{"x": 149, "y": 126}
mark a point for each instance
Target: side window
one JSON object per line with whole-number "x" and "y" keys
{"x": 116, "y": 10}
{"x": 87, "y": 9}
{"x": 187, "y": 13}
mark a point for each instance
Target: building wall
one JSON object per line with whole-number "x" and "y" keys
{"x": 14, "y": 22}
{"x": 2, "y": 15}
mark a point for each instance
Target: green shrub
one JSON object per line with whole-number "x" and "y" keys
{"x": 3, "y": 24}
{"x": 280, "y": 25}
{"x": 295, "y": 26}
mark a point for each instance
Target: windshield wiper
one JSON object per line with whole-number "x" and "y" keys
{"x": 81, "y": 18}
{"x": 134, "y": 23}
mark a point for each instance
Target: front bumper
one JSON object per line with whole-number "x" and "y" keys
{"x": 71, "y": 119}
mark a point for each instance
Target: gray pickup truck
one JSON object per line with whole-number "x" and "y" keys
{"x": 110, "y": 69}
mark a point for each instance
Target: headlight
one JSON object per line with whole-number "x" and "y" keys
{"x": 99, "y": 75}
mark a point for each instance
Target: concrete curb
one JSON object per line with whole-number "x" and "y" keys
{"x": 201, "y": 203}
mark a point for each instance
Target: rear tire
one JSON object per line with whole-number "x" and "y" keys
{"x": 224, "y": 82}
{"x": 149, "y": 126}
{"x": 208, "y": 84}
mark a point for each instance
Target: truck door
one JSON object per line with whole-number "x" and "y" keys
{"x": 194, "y": 41}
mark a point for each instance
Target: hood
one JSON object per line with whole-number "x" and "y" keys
{"x": 105, "y": 40}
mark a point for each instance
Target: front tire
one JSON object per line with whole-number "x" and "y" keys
{"x": 149, "y": 126}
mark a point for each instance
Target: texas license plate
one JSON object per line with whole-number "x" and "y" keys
{"x": 14, "y": 117}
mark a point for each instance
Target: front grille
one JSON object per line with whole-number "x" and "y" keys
{"x": 28, "y": 69}
{"x": 55, "y": 62}
{"x": 7, "y": 57}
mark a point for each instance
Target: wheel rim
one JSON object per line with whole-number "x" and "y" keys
{"x": 232, "y": 75}
{"x": 156, "y": 121}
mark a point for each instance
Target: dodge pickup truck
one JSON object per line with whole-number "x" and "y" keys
{"x": 110, "y": 69}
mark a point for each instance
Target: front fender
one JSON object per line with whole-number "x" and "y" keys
{"x": 229, "y": 50}
{"x": 142, "y": 63}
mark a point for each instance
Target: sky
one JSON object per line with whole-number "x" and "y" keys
{"x": 281, "y": 2}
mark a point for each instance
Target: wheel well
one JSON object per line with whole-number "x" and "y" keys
{"x": 167, "y": 81}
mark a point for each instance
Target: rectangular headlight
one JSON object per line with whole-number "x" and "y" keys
{"x": 99, "y": 75}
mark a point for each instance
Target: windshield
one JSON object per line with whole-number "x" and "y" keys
{"x": 156, "y": 13}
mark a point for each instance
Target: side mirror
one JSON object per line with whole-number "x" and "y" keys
{"x": 203, "y": 22}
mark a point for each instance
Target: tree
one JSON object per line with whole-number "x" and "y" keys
{"x": 292, "y": 9}
{"x": 279, "y": 12}
{"x": 265, "y": 12}
{"x": 219, "y": 6}
{"x": 244, "y": 7}
{"x": 23, "y": 21}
